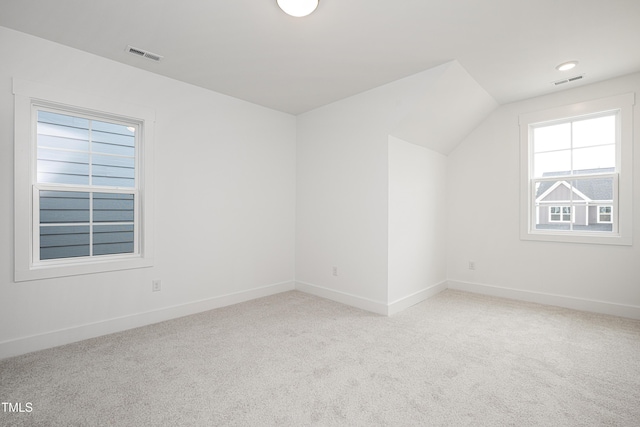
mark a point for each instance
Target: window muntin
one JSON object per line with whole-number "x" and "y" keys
{"x": 574, "y": 154}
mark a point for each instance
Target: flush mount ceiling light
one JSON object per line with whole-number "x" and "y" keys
{"x": 567, "y": 65}
{"x": 298, "y": 8}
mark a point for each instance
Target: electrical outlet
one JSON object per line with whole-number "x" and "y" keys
{"x": 335, "y": 270}
{"x": 472, "y": 265}
{"x": 156, "y": 286}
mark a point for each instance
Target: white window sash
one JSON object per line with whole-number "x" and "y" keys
{"x": 35, "y": 255}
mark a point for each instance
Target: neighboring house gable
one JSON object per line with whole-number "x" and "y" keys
{"x": 579, "y": 201}
{"x": 560, "y": 191}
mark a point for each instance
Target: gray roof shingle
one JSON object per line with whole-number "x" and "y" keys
{"x": 593, "y": 188}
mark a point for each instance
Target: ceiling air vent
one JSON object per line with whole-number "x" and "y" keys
{"x": 143, "y": 53}
{"x": 569, "y": 80}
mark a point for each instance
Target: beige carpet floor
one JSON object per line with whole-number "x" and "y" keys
{"x": 294, "y": 359}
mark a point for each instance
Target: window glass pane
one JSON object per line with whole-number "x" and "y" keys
{"x": 64, "y": 157}
{"x": 64, "y": 242}
{"x": 53, "y": 172}
{"x": 597, "y": 190}
{"x": 112, "y": 139}
{"x": 555, "y": 163}
{"x": 61, "y": 167}
{"x": 58, "y": 207}
{"x": 113, "y": 171}
{"x": 590, "y": 132}
{"x": 106, "y": 139}
{"x": 123, "y": 162}
{"x": 588, "y": 194}
{"x": 550, "y": 138}
{"x": 63, "y": 131}
{"x": 551, "y": 191}
{"x": 58, "y": 133}
{"x": 62, "y": 119}
{"x": 112, "y": 239}
{"x": 598, "y": 159}
{"x": 57, "y": 142}
{"x": 113, "y": 182}
{"x": 552, "y": 217}
{"x": 118, "y": 149}
{"x": 108, "y": 207}
{"x": 114, "y": 128}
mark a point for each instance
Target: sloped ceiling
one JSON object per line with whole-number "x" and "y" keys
{"x": 251, "y": 50}
{"x": 450, "y": 104}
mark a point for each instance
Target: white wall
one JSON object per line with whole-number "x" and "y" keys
{"x": 224, "y": 214}
{"x": 483, "y": 210}
{"x": 342, "y": 191}
{"x": 342, "y": 197}
{"x": 417, "y": 222}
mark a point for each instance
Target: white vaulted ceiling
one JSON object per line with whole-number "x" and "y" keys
{"x": 250, "y": 49}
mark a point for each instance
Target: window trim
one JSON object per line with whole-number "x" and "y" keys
{"x": 27, "y": 97}
{"x": 623, "y": 105}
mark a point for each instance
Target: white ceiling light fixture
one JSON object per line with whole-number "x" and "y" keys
{"x": 298, "y": 8}
{"x": 567, "y": 65}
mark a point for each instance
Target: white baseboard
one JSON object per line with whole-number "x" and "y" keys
{"x": 343, "y": 298}
{"x": 583, "y": 304}
{"x": 78, "y": 333}
{"x": 416, "y": 298}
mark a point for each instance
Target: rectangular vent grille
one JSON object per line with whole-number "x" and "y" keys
{"x": 569, "y": 80}
{"x": 143, "y": 53}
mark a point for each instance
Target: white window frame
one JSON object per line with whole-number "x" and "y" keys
{"x": 29, "y": 97}
{"x": 622, "y": 105}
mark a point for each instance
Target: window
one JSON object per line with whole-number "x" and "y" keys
{"x": 576, "y": 172}
{"x": 85, "y": 195}
{"x": 605, "y": 214}
{"x": 83, "y": 184}
{"x": 560, "y": 213}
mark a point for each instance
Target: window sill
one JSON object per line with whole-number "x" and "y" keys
{"x": 573, "y": 237}
{"x": 46, "y": 270}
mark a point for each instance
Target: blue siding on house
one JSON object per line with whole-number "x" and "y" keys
{"x": 59, "y": 209}
{"x": 109, "y": 207}
{"x": 64, "y": 207}
{"x": 112, "y": 239}
{"x": 78, "y": 151}
{"x": 64, "y": 242}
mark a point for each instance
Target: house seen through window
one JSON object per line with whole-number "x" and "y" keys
{"x": 574, "y": 174}
{"x": 576, "y": 169}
